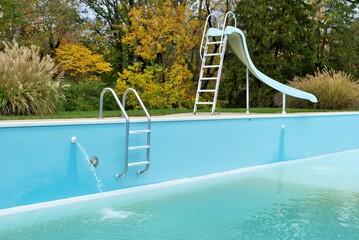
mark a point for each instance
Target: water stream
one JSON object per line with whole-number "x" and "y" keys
{"x": 297, "y": 139}
{"x": 107, "y": 212}
{"x": 92, "y": 168}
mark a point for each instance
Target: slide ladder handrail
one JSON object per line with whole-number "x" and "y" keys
{"x": 208, "y": 19}
{"x": 230, "y": 13}
{"x": 146, "y": 131}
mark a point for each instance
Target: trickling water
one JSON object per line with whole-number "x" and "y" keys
{"x": 92, "y": 168}
{"x": 107, "y": 212}
{"x": 298, "y": 140}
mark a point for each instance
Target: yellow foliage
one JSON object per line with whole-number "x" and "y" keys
{"x": 79, "y": 61}
{"x": 173, "y": 93}
{"x": 164, "y": 35}
{"x": 162, "y": 29}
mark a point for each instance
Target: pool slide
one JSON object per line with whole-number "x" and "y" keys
{"x": 237, "y": 41}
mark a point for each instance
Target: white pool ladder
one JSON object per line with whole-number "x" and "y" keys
{"x": 216, "y": 38}
{"x": 146, "y": 131}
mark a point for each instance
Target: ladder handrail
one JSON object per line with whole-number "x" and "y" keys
{"x": 224, "y": 27}
{"x": 225, "y": 19}
{"x": 205, "y": 31}
{"x": 148, "y": 124}
{"x": 124, "y": 114}
{"x": 139, "y": 101}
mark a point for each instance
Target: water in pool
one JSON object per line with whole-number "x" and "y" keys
{"x": 314, "y": 198}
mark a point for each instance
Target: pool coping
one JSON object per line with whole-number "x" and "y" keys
{"x": 164, "y": 118}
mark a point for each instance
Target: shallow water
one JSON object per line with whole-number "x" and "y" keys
{"x": 315, "y": 198}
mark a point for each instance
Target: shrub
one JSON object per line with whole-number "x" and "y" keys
{"x": 27, "y": 84}
{"x": 333, "y": 89}
{"x": 158, "y": 86}
{"x": 85, "y": 96}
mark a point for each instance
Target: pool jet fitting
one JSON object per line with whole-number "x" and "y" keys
{"x": 94, "y": 161}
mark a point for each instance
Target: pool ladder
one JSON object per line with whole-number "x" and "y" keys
{"x": 213, "y": 49}
{"x": 129, "y": 132}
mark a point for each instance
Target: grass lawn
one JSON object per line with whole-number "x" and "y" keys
{"x": 153, "y": 112}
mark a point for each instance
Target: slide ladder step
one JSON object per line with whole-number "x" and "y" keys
{"x": 209, "y": 78}
{"x": 207, "y": 90}
{"x": 212, "y": 43}
{"x": 211, "y": 66}
{"x": 212, "y": 54}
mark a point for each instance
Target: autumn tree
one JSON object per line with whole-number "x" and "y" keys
{"x": 111, "y": 19}
{"x": 80, "y": 63}
{"x": 162, "y": 37}
{"x": 38, "y": 22}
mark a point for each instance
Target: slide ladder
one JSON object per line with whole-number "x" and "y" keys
{"x": 146, "y": 131}
{"x": 213, "y": 48}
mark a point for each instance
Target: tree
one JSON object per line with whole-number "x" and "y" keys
{"x": 38, "y": 22}
{"x": 10, "y": 18}
{"x": 336, "y": 31}
{"x": 280, "y": 44}
{"x": 80, "y": 63}
{"x": 111, "y": 21}
{"x": 163, "y": 39}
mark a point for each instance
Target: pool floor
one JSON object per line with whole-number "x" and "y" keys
{"x": 314, "y": 198}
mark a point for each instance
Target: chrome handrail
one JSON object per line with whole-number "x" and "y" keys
{"x": 124, "y": 114}
{"x": 139, "y": 101}
{"x": 148, "y": 124}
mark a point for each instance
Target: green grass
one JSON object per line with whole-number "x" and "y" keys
{"x": 153, "y": 112}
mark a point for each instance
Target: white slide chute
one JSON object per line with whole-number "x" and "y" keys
{"x": 237, "y": 41}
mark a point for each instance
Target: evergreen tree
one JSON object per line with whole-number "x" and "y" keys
{"x": 291, "y": 38}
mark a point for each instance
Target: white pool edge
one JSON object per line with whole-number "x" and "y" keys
{"x": 166, "y": 118}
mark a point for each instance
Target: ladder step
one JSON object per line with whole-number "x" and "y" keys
{"x": 211, "y": 66}
{"x": 219, "y": 42}
{"x": 204, "y": 103}
{"x": 212, "y": 54}
{"x": 208, "y": 78}
{"x": 138, "y": 147}
{"x": 207, "y": 90}
{"x": 139, "y": 131}
{"x": 138, "y": 163}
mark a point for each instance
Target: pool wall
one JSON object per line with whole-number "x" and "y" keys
{"x": 39, "y": 163}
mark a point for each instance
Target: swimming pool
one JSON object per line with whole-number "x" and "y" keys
{"x": 42, "y": 168}
{"x": 313, "y": 198}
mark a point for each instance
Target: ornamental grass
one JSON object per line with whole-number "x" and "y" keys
{"x": 333, "y": 89}
{"x": 29, "y": 84}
